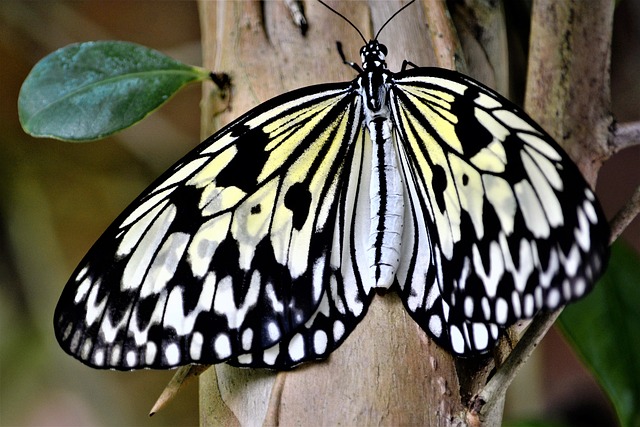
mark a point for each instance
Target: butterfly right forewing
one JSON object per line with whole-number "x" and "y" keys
{"x": 512, "y": 228}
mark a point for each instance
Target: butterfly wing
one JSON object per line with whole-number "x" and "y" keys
{"x": 511, "y": 226}
{"x": 245, "y": 243}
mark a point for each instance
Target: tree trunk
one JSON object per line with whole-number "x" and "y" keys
{"x": 387, "y": 371}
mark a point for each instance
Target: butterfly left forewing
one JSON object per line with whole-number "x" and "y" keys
{"x": 512, "y": 227}
{"x": 228, "y": 252}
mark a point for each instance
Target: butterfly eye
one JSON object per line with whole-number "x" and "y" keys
{"x": 383, "y": 49}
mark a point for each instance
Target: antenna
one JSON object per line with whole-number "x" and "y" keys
{"x": 356, "y": 28}
{"x": 345, "y": 18}
{"x": 392, "y": 16}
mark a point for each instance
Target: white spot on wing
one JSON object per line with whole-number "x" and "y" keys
{"x": 457, "y": 340}
{"x": 486, "y": 309}
{"x": 82, "y": 290}
{"x": 151, "y": 350}
{"x": 579, "y": 287}
{"x": 131, "y": 358}
{"x": 553, "y": 298}
{"x": 480, "y": 336}
{"x": 540, "y": 145}
{"x": 116, "y": 350}
{"x": 493, "y": 328}
{"x": 590, "y": 211}
{"x": 247, "y": 339}
{"x": 86, "y": 349}
{"x": 273, "y": 330}
{"x": 195, "y": 349}
{"x": 98, "y": 357}
{"x": 320, "y": 342}
{"x": 94, "y": 308}
{"x": 513, "y": 120}
{"x": 572, "y": 261}
{"x": 318, "y": 276}
{"x": 515, "y": 304}
{"x": 275, "y": 302}
{"x": 109, "y": 330}
{"x": 245, "y": 359}
{"x": 296, "y": 348}
{"x": 435, "y": 325}
{"x": 271, "y": 354}
{"x": 174, "y": 316}
{"x": 547, "y": 168}
{"x": 222, "y": 346}
{"x": 468, "y": 306}
{"x": 581, "y": 232}
{"x": 172, "y": 354}
{"x": 486, "y": 101}
{"x": 502, "y": 311}
{"x": 338, "y": 330}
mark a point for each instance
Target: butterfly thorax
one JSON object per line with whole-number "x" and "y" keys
{"x": 374, "y": 79}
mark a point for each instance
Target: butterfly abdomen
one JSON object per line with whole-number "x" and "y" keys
{"x": 386, "y": 205}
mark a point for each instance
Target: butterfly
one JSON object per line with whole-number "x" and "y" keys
{"x": 264, "y": 246}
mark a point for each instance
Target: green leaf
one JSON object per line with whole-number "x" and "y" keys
{"x": 90, "y": 90}
{"x": 605, "y": 330}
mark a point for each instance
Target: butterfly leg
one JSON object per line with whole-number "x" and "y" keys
{"x": 344, "y": 58}
{"x": 406, "y": 64}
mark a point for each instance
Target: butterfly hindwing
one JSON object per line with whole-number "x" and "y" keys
{"x": 511, "y": 226}
{"x": 229, "y": 253}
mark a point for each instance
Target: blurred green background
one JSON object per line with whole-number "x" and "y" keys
{"x": 56, "y": 198}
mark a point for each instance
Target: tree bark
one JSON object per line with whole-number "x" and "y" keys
{"x": 568, "y": 84}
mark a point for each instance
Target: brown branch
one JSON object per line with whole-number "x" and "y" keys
{"x": 624, "y": 217}
{"x": 272, "y": 418}
{"x": 625, "y": 135}
{"x": 183, "y": 375}
{"x": 497, "y": 386}
{"x": 444, "y": 38}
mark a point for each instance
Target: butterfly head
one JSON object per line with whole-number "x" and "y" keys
{"x": 373, "y": 56}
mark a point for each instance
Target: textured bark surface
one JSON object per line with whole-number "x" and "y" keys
{"x": 568, "y": 84}
{"x": 387, "y": 371}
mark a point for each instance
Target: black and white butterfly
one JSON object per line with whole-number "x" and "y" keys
{"x": 265, "y": 245}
